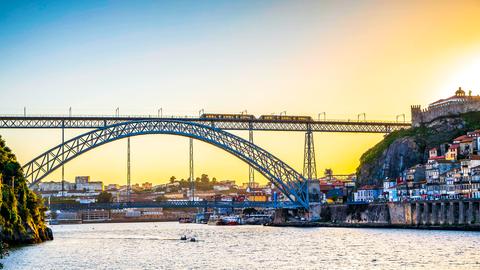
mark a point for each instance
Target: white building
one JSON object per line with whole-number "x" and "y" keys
{"x": 53, "y": 186}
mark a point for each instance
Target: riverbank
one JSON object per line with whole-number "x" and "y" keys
{"x": 435, "y": 215}
{"x": 373, "y": 226}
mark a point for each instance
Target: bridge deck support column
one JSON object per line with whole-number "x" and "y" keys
{"x": 451, "y": 216}
{"x": 477, "y": 210}
{"x": 469, "y": 213}
{"x": 434, "y": 215}
{"x": 426, "y": 213}
{"x": 441, "y": 219}
{"x": 418, "y": 214}
{"x": 461, "y": 212}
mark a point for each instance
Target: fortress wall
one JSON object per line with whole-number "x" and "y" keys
{"x": 427, "y": 115}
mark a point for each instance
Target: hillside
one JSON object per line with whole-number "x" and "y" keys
{"x": 22, "y": 219}
{"x": 405, "y": 148}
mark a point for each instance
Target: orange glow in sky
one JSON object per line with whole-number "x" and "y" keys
{"x": 305, "y": 57}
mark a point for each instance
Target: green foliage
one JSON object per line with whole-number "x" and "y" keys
{"x": 373, "y": 153}
{"x": 21, "y": 212}
{"x": 472, "y": 120}
{"x": 104, "y": 197}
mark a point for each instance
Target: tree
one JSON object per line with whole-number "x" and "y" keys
{"x": 204, "y": 179}
{"x": 328, "y": 173}
{"x": 104, "y": 197}
{"x": 172, "y": 179}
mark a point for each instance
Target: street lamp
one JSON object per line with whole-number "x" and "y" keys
{"x": 361, "y": 114}
{"x": 117, "y": 112}
{"x": 400, "y": 115}
{"x": 70, "y": 112}
{"x": 324, "y": 116}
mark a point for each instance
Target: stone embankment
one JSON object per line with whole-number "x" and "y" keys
{"x": 457, "y": 215}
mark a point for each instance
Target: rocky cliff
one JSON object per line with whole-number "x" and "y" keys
{"x": 405, "y": 148}
{"x": 22, "y": 219}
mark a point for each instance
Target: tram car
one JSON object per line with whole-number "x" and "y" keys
{"x": 227, "y": 116}
{"x": 286, "y": 118}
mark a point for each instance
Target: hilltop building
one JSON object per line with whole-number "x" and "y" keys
{"x": 457, "y": 104}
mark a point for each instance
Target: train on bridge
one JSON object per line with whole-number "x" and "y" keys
{"x": 229, "y": 116}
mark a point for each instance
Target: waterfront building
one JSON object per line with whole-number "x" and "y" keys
{"x": 367, "y": 193}
{"x": 390, "y": 190}
{"x": 434, "y": 168}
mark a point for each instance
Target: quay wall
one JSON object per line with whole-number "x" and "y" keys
{"x": 452, "y": 214}
{"x": 459, "y": 214}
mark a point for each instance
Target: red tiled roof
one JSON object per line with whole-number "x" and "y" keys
{"x": 368, "y": 187}
{"x": 460, "y": 138}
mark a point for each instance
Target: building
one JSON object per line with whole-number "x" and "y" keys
{"x": 367, "y": 194}
{"x": 434, "y": 168}
{"x": 83, "y": 183}
{"x": 112, "y": 187}
{"x": 454, "y": 105}
{"x": 53, "y": 186}
{"x": 82, "y": 179}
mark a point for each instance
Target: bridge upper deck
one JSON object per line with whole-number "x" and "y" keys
{"x": 90, "y": 122}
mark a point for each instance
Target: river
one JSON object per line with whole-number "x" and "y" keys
{"x": 156, "y": 246}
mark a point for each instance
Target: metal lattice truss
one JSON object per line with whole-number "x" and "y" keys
{"x": 286, "y": 179}
{"x": 173, "y": 204}
{"x": 255, "y": 124}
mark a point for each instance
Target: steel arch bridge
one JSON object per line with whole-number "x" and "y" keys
{"x": 291, "y": 183}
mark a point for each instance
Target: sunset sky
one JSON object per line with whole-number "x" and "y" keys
{"x": 303, "y": 57}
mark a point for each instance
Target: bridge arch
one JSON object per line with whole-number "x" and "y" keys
{"x": 286, "y": 179}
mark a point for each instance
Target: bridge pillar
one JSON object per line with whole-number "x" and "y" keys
{"x": 418, "y": 214}
{"x": 469, "y": 213}
{"x": 251, "y": 171}
{"x": 451, "y": 213}
{"x": 426, "y": 213}
{"x": 434, "y": 215}
{"x": 309, "y": 163}
{"x": 461, "y": 212}
{"x": 192, "y": 177}
{"x": 477, "y": 215}
{"x": 441, "y": 218}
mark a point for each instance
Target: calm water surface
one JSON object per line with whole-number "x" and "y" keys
{"x": 155, "y": 246}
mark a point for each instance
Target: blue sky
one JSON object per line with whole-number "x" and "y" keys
{"x": 303, "y": 57}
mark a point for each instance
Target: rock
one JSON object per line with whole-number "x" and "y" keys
{"x": 409, "y": 150}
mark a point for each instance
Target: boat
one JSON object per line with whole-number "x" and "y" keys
{"x": 229, "y": 220}
{"x": 213, "y": 219}
{"x": 185, "y": 220}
